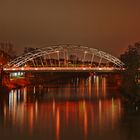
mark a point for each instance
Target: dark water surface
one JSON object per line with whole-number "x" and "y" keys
{"x": 77, "y": 109}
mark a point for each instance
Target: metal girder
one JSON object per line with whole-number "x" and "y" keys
{"x": 47, "y": 50}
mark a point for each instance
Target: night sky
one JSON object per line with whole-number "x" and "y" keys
{"x": 109, "y": 25}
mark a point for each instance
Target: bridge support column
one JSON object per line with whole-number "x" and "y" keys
{"x": 1, "y": 76}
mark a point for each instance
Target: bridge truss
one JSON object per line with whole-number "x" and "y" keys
{"x": 65, "y": 56}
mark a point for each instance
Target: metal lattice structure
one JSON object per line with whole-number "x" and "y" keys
{"x": 65, "y": 56}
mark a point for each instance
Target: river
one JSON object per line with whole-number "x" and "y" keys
{"x": 81, "y": 108}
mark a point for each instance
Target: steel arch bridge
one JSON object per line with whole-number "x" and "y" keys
{"x": 64, "y": 56}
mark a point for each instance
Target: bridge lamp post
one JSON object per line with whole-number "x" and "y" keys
{"x": 92, "y": 59}
{"x": 66, "y": 58}
{"x": 49, "y": 58}
{"x": 85, "y": 52}
{"x": 100, "y": 61}
{"x": 58, "y": 55}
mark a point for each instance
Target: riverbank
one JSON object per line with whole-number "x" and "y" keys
{"x": 130, "y": 96}
{"x": 39, "y": 78}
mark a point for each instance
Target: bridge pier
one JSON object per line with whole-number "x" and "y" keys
{"x": 1, "y": 76}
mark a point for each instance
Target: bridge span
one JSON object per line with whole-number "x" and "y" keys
{"x": 65, "y": 58}
{"x": 64, "y": 69}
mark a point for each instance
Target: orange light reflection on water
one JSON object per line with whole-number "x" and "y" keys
{"x": 85, "y": 116}
{"x": 57, "y": 124}
{"x": 56, "y": 118}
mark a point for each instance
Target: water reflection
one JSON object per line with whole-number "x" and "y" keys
{"x": 82, "y": 116}
{"x": 81, "y": 108}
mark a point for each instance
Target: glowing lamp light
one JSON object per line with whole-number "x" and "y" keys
{"x": 15, "y": 74}
{"x": 22, "y": 68}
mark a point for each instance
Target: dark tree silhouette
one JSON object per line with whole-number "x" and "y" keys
{"x": 131, "y": 58}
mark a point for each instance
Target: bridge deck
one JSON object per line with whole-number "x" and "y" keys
{"x": 64, "y": 69}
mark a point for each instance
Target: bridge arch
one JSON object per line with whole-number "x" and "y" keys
{"x": 65, "y": 55}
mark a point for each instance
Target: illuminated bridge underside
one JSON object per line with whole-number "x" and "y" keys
{"x": 61, "y": 57}
{"x": 66, "y": 69}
